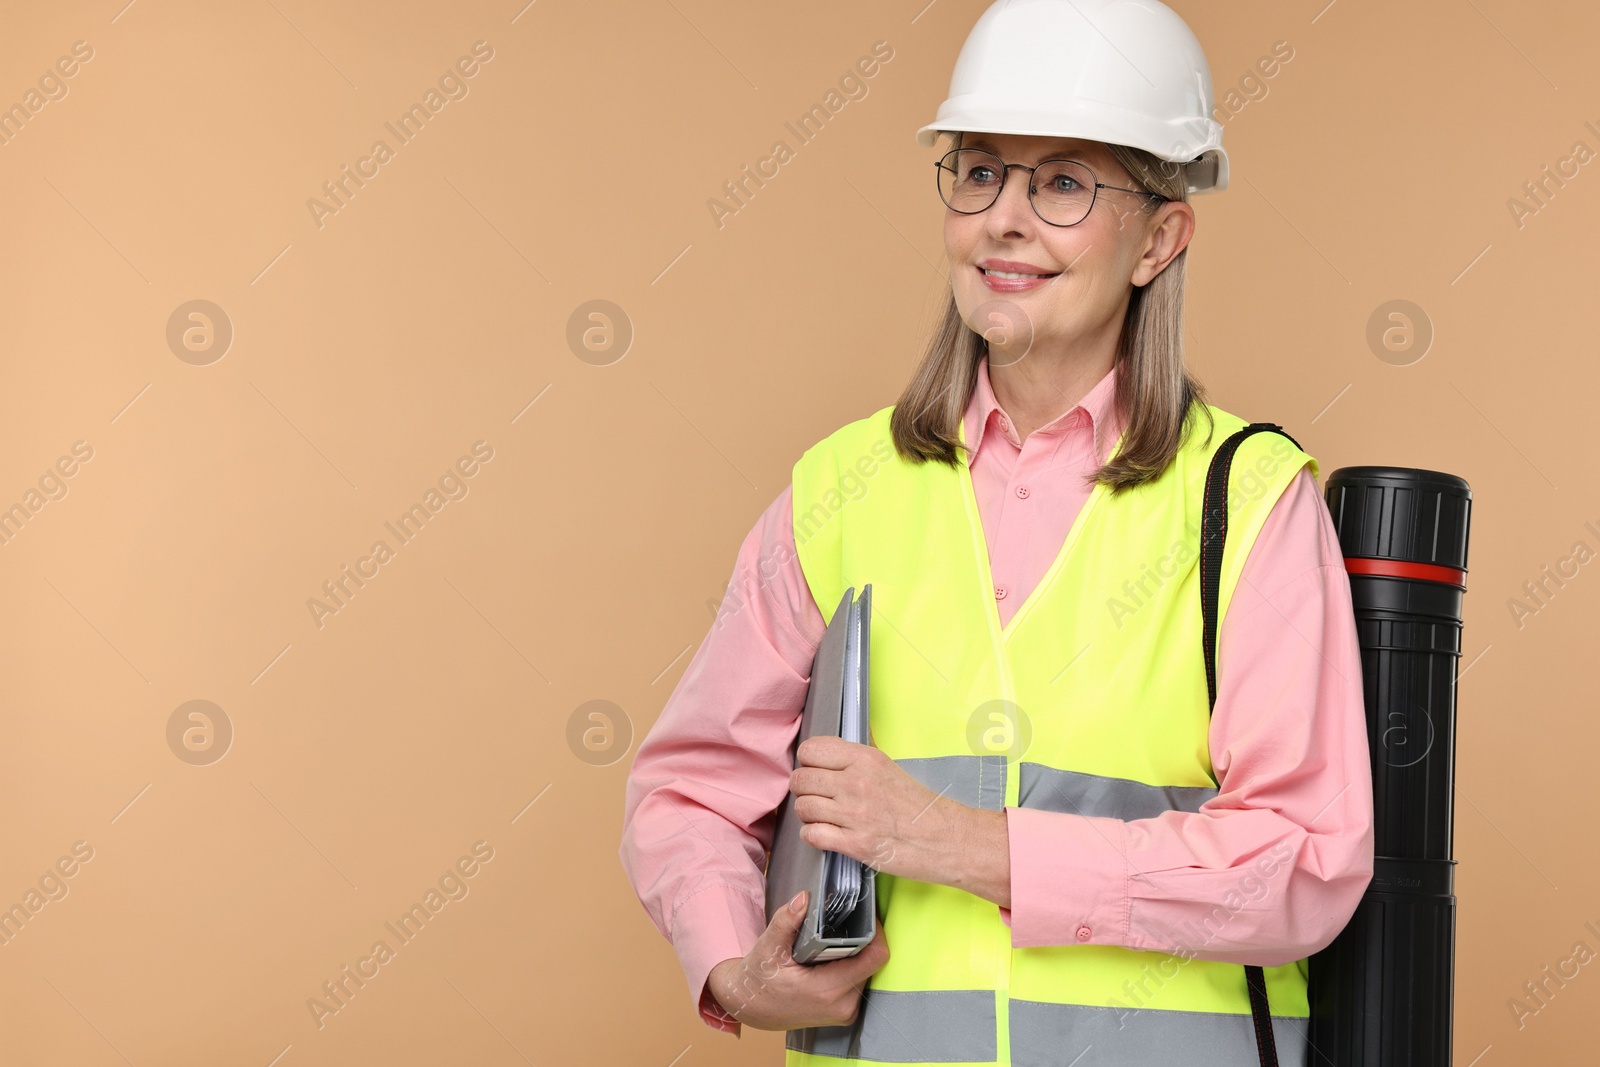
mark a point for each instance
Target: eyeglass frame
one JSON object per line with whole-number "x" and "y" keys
{"x": 1005, "y": 172}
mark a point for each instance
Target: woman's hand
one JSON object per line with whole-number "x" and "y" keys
{"x": 768, "y": 990}
{"x": 855, "y": 800}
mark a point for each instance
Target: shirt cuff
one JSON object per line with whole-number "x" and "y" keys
{"x": 712, "y": 1015}
{"x": 715, "y": 923}
{"x": 1069, "y": 879}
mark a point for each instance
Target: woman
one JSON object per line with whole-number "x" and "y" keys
{"x": 1074, "y": 853}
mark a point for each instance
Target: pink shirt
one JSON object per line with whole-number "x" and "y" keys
{"x": 1288, "y": 741}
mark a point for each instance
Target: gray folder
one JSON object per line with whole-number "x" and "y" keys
{"x": 842, "y": 906}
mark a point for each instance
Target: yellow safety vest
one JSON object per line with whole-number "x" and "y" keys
{"x": 1092, "y": 699}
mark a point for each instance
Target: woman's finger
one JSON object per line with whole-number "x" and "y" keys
{"x": 815, "y": 809}
{"x": 832, "y": 753}
{"x": 813, "y": 781}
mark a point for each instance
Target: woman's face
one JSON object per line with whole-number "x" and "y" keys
{"x": 1091, "y": 267}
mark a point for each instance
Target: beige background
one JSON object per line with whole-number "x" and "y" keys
{"x": 370, "y": 352}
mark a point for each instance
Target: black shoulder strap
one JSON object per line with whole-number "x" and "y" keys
{"x": 1213, "y": 535}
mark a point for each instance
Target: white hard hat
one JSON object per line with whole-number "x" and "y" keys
{"x": 1124, "y": 72}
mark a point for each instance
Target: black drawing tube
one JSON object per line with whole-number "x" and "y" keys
{"x": 1381, "y": 993}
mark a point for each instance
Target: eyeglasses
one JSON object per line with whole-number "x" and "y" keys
{"x": 1061, "y": 190}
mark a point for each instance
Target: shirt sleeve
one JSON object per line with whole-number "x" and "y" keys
{"x": 708, "y": 778}
{"x": 1273, "y": 867}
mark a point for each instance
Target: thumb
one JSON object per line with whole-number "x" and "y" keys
{"x": 785, "y": 923}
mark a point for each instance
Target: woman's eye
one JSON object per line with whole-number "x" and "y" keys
{"x": 981, "y": 174}
{"x": 1064, "y": 184}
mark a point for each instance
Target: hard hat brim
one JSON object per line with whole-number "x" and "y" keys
{"x": 1207, "y": 173}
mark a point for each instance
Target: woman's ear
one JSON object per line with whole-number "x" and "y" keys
{"x": 1167, "y": 234}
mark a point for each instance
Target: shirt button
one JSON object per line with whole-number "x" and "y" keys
{"x": 1022, "y": 491}
{"x": 999, "y": 592}
{"x": 1083, "y": 933}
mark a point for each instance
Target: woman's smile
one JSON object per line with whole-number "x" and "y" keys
{"x": 1008, "y": 276}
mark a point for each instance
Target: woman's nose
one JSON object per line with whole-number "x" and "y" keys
{"x": 1012, "y": 210}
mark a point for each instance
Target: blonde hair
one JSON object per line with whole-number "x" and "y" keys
{"x": 1156, "y": 395}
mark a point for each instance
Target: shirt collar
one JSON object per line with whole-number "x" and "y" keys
{"x": 1098, "y": 407}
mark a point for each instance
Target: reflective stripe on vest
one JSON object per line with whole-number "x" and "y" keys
{"x": 980, "y": 782}
{"x": 1091, "y": 701}
{"x": 958, "y": 1026}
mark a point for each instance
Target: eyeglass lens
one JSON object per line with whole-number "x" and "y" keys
{"x": 969, "y": 182}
